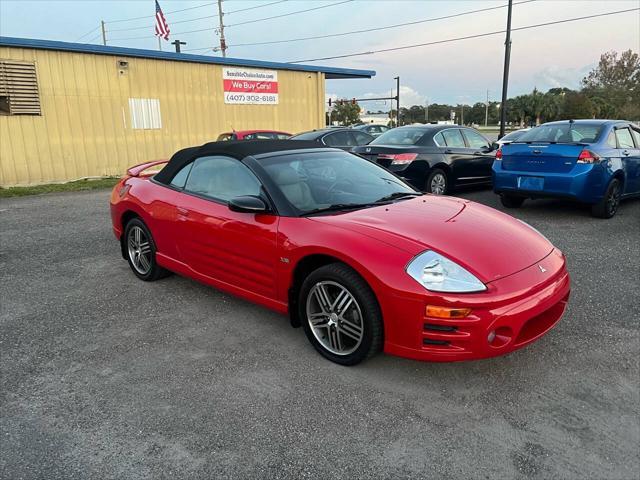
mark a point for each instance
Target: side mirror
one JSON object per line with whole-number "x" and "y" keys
{"x": 248, "y": 204}
{"x": 494, "y": 146}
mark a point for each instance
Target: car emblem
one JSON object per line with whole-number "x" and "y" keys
{"x": 542, "y": 269}
{"x": 537, "y": 152}
{"x": 368, "y": 149}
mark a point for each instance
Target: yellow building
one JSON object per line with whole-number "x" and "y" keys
{"x": 70, "y": 111}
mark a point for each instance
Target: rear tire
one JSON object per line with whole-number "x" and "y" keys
{"x": 340, "y": 315}
{"x": 608, "y": 206}
{"x": 140, "y": 250}
{"x": 511, "y": 201}
{"x": 437, "y": 182}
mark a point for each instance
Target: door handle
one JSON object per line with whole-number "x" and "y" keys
{"x": 478, "y": 153}
{"x": 448, "y": 150}
{"x": 626, "y": 153}
{"x": 183, "y": 211}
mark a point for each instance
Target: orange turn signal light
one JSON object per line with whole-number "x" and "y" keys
{"x": 446, "y": 312}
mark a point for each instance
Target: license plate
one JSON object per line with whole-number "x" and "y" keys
{"x": 531, "y": 183}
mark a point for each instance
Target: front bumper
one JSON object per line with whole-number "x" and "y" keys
{"x": 514, "y": 312}
{"x": 583, "y": 183}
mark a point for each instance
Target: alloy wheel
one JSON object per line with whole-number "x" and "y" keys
{"x": 139, "y": 249}
{"x": 335, "y": 317}
{"x": 613, "y": 199}
{"x": 438, "y": 184}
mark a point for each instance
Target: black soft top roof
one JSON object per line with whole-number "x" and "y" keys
{"x": 237, "y": 149}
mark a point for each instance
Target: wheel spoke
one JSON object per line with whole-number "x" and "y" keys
{"x": 145, "y": 247}
{"x": 144, "y": 261}
{"x": 351, "y": 327}
{"x": 342, "y": 297}
{"x": 322, "y": 297}
{"x": 349, "y": 333}
{"x": 317, "y": 319}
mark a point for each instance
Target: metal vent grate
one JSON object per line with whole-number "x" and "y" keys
{"x": 19, "y": 88}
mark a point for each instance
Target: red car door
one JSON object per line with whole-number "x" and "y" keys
{"x": 237, "y": 249}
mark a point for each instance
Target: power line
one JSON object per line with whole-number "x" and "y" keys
{"x": 166, "y": 13}
{"x": 242, "y": 23}
{"x": 89, "y": 32}
{"x": 147, "y": 27}
{"x": 468, "y": 12}
{"x": 374, "y": 29}
{"x": 290, "y": 13}
{"x": 93, "y": 39}
{"x": 253, "y": 8}
{"x": 405, "y": 47}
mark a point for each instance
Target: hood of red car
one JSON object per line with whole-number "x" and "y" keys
{"x": 488, "y": 243}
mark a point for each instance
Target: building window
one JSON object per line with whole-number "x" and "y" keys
{"x": 19, "y": 88}
{"x": 145, "y": 113}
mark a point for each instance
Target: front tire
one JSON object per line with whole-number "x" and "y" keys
{"x": 140, "y": 251}
{"x": 340, "y": 315}
{"x": 437, "y": 182}
{"x": 511, "y": 201}
{"x": 608, "y": 206}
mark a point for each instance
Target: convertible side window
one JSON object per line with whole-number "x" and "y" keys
{"x": 221, "y": 178}
{"x": 180, "y": 178}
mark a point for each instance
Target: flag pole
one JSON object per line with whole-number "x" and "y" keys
{"x": 159, "y": 44}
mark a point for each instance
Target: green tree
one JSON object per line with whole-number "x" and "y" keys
{"x": 346, "y": 114}
{"x": 615, "y": 81}
{"x": 577, "y": 105}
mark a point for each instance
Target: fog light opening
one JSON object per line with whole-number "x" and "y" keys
{"x": 499, "y": 337}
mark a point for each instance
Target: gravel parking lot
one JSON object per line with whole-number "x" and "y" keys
{"x": 105, "y": 376}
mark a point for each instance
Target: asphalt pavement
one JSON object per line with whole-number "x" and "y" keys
{"x": 105, "y": 376}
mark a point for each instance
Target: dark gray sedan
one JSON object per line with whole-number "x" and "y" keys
{"x": 344, "y": 138}
{"x": 434, "y": 158}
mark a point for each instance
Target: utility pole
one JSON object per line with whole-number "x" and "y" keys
{"x": 397, "y": 79}
{"x": 462, "y": 114}
{"x": 177, "y": 43}
{"x": 104, "y": 33}
{"x": 486, "y": 110}
{"x": 426, "y": 111}
{"x": 223, "y": 43}
{"x": 505, "y": 77}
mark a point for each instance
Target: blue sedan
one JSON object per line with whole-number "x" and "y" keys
{"x": 591, "y": 161}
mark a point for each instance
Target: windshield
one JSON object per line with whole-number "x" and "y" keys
{"x": 562, "y": 133}
{"x": 400, "y": 136}
{"x": 513, "y": 136}
{"x": 322, "y": 180}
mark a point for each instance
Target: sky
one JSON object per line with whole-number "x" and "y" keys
{"x": 456, "y": 72}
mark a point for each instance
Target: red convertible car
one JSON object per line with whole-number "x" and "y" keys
{"x": 358, "y": 258}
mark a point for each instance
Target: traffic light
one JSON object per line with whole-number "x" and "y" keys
{"x": 353, "y": 101}
{"x": 329, "y": 102}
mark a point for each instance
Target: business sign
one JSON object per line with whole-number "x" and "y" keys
{"x": 249, "y": 86}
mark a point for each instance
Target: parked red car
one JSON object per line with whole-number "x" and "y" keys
{"x": 253, "y": 135}
{"x": 358, "y": 258}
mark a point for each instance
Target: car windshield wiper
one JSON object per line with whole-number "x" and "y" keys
{"x": 398, "y": 196}
{"x": 336, "y": 207}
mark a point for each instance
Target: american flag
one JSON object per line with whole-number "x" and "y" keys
{"x": 162, "y": 29}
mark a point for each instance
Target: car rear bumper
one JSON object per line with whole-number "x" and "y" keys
{"x": 584, "y": 183}
{"x": 514, "y": 312}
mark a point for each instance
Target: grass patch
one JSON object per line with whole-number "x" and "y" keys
{"x": 77, "y": 186}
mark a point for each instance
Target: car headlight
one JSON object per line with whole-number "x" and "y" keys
{"x": 439, "y": 274}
